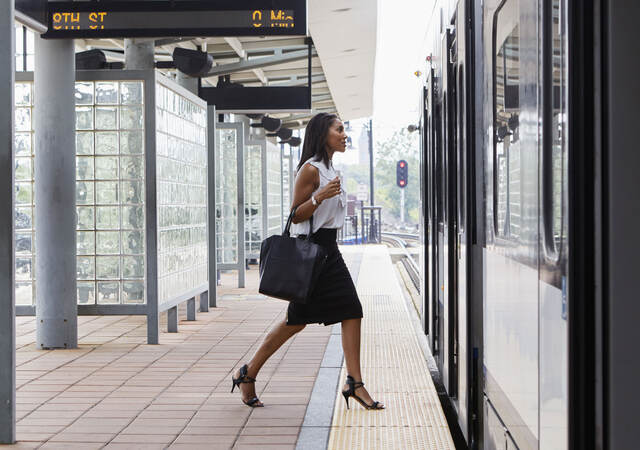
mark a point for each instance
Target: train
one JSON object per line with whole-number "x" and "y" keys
{"x": 530, "y": 175}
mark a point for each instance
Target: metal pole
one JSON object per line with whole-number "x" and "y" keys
{"x": 138, "y": 54}
{"x": 282, "y": 187}
{"x": 211, "y": 204}
{"x": 187, "y": 82}
{"x": 55, "y": 191}
{"x": 372, "y": 201}
{"x": 7, "y": 245}
{"x": 401, "y": 206}
{"x": 371, "y": 196}
{"x": 242, "y": 266}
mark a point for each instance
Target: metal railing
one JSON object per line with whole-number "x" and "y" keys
{"x": 364, "y": 228}
{"x": 348, "y": 234}
{"x": 371, "y": 221}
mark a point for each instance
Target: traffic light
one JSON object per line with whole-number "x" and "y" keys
{"x": 402, "y": 173}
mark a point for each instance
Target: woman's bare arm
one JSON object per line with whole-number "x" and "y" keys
{"x": 307, "y": 182}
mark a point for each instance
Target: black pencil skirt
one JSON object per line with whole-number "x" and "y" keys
{"x": 334, "y": 297}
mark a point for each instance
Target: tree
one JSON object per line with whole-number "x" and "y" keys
{"x": 401, "y": 145}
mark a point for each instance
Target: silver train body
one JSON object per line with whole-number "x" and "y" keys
{"x": 519, "y": 195}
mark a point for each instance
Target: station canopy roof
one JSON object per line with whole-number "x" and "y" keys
{"x": 344, "y": 33}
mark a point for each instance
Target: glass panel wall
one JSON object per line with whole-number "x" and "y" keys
{"x": 253, "y": 199}
{"x": 110, "y": 192}
{"x": 274, "y": 193}
{"x": 181, "y": 162}
{"x": 286, "y": 179}
{"x": 226, "y": 196}
{"x": 112, "y": 152}
{"x": 24, "y": 189}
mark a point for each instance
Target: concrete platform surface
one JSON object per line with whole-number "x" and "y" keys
{"x": 116, "y": 392}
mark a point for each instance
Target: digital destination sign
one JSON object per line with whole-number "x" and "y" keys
{"x": 176, "y": 18}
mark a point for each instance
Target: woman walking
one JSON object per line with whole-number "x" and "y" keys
{"x": 318, "y": 192}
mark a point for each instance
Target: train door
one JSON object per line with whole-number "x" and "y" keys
{"x": 447, "y": 234}
{"x": 433, "y": 288}
{"x": 439, "y": 232}
{"x": 463, "y": 153}
{"x": 425, "y": 221}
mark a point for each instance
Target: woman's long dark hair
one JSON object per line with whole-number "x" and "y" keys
{"x": 315, "y": 139}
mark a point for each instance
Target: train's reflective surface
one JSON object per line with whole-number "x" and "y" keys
{"x": 495, "y": 217}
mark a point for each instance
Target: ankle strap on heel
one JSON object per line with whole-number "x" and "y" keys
{"x": 353, "y": 384}
{"x": 244, "y": 378}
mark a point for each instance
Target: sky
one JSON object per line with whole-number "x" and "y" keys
{"x": 401, "y": 28}
{"x": 401, "y": 25}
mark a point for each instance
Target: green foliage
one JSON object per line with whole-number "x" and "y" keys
{"x": 401, "y": 145}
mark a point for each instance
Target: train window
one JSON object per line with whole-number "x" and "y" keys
{"x": 506, "y": 100}
{"x": 462, "y": 158}
{"x": 559, "y": 127}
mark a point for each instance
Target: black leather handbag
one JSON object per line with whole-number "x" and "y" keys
{"x": 289, "y": 267}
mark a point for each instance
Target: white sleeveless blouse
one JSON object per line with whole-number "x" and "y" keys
{"x": 332, "y": 211}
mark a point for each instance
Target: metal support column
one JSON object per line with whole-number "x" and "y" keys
{"x": 187, "y": 82}
{"x": 264, "y": 190}
{"x": 191, "y": 309}
{"x": 55, "y": 191}
{"x": 7, "y": 247}
{"x": 204, "y": 300}
{"x": 242, "y": 267}
{"x": 172, "y": 320}
{"x": 371, "y": 191}
{"x": 282, "y": 224}
{"x": 292, "y": 173}
{"x": 211, "y": 204}
{"x": 138, "y": 54}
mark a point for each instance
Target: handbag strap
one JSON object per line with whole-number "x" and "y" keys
{"x": 287, "y": 227}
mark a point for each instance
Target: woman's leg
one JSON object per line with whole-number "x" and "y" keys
{"x": 277, "y": 336}
{"x": 351, "y": 348}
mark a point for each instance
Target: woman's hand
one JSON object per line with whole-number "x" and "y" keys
{"x": 330, "y": 190}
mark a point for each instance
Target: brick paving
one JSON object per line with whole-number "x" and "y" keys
{"x": 116, "y": 392}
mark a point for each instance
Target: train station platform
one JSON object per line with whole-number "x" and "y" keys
{"x": 115, "y": 391}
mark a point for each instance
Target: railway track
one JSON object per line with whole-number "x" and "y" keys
{"x": 404, "y": 241}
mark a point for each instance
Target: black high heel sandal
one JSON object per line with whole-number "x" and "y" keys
{"x": 244, "y": 378}
{"x": 351, "y": 392}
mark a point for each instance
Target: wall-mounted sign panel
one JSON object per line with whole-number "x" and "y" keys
{"x": 119, "y": 19}
{"x": 250, "y": 100}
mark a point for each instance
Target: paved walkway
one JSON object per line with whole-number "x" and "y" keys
{"x": 115, "y": 391}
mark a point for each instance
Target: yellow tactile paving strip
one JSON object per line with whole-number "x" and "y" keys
{"x": 394, "y": 370}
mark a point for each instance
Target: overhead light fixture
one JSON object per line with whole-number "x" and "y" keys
{"x": 192, "y": 62}
{"x": 293, "y": 141}
{"x": 271, "y": 124}
{"x": 91, "y": 60}
{"x": 285, "y": 133}
{"x": 95, "y": 59}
